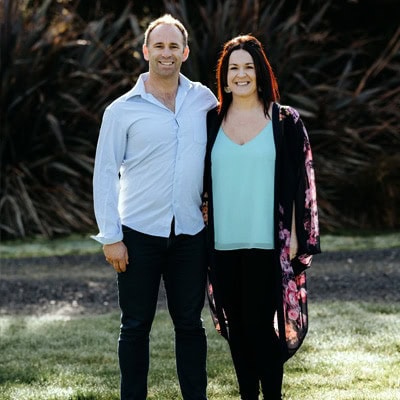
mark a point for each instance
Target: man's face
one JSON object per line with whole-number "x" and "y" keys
{"x": 165, "y": 51}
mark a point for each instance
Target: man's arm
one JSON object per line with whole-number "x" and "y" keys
{"x": 109, "y": 155}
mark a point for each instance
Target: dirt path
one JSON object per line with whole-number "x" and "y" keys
{"x": 73, "y": 285}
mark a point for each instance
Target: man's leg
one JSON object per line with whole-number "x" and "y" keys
{"x": 185, "y": 281}
{"x": 138, "y": 292}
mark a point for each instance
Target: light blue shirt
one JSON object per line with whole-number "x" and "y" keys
{"x": 159, "y": 155}
{"x": 243, "y": 191}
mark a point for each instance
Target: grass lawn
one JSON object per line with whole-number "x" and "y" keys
{"x": 352, "y": 352}
{"x": 83, "y": 244}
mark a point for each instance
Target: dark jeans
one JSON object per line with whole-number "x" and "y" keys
{"x": 248, "y": 289}
{"x": 180, "y": 260}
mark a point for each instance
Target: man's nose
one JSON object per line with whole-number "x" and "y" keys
{"x": 166, "y": 52}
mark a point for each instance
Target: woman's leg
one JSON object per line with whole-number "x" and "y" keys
{"x": 229, "y": 280}
{"x": 248, "y": 290}
{"x": 259, "y": 310}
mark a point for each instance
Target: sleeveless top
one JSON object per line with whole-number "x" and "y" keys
{"x": 243, "y": 191}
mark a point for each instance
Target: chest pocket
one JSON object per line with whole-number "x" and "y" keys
{"x": 194, "y": 125}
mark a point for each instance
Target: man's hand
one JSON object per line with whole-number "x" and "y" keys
{"x": 116, "y": 255}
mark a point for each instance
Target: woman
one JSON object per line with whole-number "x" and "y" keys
{"x": 262, "y": 218}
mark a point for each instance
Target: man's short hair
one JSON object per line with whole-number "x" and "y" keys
{"x": 166, "y": 19}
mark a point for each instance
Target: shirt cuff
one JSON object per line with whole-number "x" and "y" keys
{"x": 107, "y": 240}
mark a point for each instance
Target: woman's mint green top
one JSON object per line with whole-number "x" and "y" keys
{"x": 243, "y": 191}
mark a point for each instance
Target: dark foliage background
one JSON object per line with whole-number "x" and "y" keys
{"x": 63, "y": 61}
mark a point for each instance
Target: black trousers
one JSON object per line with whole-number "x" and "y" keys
{"x": 180, "y": 260}
{"x": 248, "y": 290}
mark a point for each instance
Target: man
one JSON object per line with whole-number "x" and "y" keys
{"x": 148, "y": 180}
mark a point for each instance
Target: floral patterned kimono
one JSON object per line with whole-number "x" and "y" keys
{"x": 296, "y": 226}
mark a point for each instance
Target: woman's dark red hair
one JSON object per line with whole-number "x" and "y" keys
{"x": 267, "y": 84}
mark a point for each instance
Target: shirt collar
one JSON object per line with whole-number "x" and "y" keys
{"x": 140, "y": 90}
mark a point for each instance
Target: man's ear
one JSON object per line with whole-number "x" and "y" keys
{"x": 145, "y": 51}
{"x": 186, "y": 52}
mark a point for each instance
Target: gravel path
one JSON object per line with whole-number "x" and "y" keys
{"x": 74, "y": 285}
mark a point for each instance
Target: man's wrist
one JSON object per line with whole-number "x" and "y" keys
{"x": 111, "y": 244}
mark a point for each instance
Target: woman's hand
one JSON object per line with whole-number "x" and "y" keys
{"x": 204, "y": 208}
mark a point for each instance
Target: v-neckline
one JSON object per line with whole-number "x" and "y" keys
{"x": 249, "y": 141}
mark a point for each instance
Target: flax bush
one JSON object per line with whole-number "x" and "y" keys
{"x": 62, "y": 62}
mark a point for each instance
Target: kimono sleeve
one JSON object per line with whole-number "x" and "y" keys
{"x": 306, "y": 209}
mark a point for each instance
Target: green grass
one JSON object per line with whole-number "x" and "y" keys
{"x": 360, "y": 242}
{"x": 40, "y": 247}
{"x": 83, "y": 244}
{"x": 352, "y": 352}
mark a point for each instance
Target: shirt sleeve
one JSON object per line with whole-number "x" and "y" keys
{"x": 206, "y": 96}
{"x": 211, "y": 100}
{"x": 109, "y": 156}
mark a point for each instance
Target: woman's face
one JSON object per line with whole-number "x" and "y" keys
{"x": 241, "y": 77}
